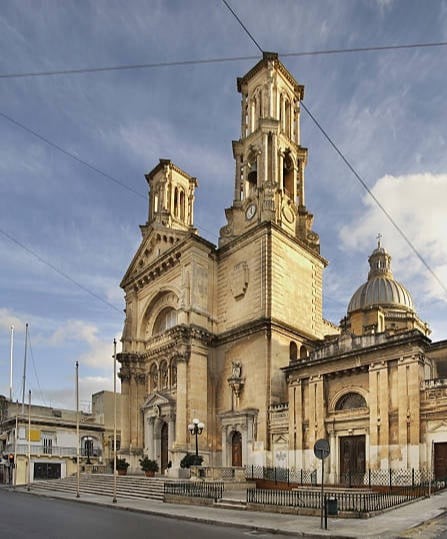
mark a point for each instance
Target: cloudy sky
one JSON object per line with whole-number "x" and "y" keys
{"x": 385, "y": 110}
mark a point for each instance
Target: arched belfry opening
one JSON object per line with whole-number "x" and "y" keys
{"x": 288, "y": 176}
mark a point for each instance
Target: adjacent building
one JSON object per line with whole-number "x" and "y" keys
{"x": 42, "y": 441}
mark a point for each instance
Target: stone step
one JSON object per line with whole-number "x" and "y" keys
{"x": 140, "y": 487}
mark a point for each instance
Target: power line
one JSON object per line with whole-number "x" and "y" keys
{"x": 71, "y": 155}
{"x": 356, "y": 174}
{"x": 376, "y": 200}
{"x": 179, "y": 63}
{"x": 125, "y": 67}
{"x": 57, "y": 270}
{"x": 366, "y": 49}
{"x": 82, "y": 161}
{"x": 243, "y": 25}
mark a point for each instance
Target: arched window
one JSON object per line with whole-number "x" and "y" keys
{"x": 350, "y": 401}
{"x": 182, "y": 205}
{"x": 165, "y": 320}
{"x": 288, "y": 176}
{"x": 176, "y": 202}
{"x": 304, "y": 352}
{"x": 293, "y": 351}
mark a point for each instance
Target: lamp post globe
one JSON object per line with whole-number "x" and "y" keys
{"x": 196, "y": 428}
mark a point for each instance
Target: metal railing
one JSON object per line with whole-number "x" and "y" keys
{"x": 362, "y": 502}
{"x": 389, "y": 478}
{"x": 195, "y": 489}
{"x": 53, "y": 450}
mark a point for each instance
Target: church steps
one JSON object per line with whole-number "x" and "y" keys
{"x": 127, "y": 487}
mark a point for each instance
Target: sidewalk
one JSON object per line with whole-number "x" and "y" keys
{"x": 399, "y": 522}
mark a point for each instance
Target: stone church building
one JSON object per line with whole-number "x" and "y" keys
{"x": 234, "y": 335}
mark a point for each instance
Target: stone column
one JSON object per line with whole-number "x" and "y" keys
{"x": 374, "y": 420}
{"x": 125, "y": 411}
{"x": 150, "y": 437}
{"x": 296, "y": 423}
{"x": 171, "y": 431}
{"x": 265, "y": 146}
{"x": 224, "y": 446}
{"x": 181, "y": 423}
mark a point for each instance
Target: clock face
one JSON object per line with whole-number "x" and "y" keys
{"x": 250, "y": 211}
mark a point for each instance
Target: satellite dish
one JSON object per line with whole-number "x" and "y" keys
{"x": 321, "y": 449}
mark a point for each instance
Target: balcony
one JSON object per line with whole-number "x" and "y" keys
{"x": 54, "y": 451}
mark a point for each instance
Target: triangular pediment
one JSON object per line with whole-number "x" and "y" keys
{"x": 156, "y": 247}
{"x": 157, "y": 399}
{"x": 440, "y": 426}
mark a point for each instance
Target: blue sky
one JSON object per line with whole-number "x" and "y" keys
{"x": 385, "y": 110}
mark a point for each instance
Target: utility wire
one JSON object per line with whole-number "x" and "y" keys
{"x": 243, "y": 26}
{"x": 73, "y": 156}
{"x": 372, "y": 195}
{"x": 357, "y": 175}
{"x": 179, "y": 63}
{"x": 57, "y": 270}
{"x": 366, "y": 49}
{"x": 82, "y": 161}
{"x": 125, "y": 67}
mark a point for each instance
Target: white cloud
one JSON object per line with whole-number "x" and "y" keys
{"x": 416, "y": 203}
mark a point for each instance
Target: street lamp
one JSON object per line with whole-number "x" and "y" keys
{"x": 196, "y": 428}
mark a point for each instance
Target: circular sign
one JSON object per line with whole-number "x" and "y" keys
{"x": 321, "y": 449}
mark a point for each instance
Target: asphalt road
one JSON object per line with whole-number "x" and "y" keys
{"x": 27, "y": 516}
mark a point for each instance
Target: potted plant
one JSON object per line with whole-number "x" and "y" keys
{"x": 121, "y": 466}
{"x": 149, "y": 466}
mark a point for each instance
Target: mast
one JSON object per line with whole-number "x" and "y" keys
{"x": 24, "y": 369}
{"x": 11, "y": 361}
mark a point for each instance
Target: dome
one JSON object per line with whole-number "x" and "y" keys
{"x": 381, "y": 289}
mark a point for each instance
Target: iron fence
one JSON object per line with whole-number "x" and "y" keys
{"x": 362, "y": 502}
{"x": 389, "y": 478}
{"x": 196, "y": 489}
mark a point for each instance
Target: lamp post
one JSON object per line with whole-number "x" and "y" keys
{"x": 196, "y": 428}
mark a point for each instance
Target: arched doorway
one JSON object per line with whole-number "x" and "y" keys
{"x": 164, "y": 447}
{"x": 236, "y": 449}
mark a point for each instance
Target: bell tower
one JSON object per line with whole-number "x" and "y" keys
{"x": 171, "y": 197}
{"x": 270, "y": 162}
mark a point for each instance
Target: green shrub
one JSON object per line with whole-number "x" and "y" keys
{"x": 191, "y": 460}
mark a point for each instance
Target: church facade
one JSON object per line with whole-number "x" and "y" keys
{"x": 234, "y": 334}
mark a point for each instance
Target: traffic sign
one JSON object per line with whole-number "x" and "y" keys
{"x": 321, "y": 449}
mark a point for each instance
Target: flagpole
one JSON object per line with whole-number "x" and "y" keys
{"x": 24, "y": 369}
{"x": 14, "y": 470}
{"x": 11, "y": 361}
{"x": 77, "y": 429}
{"x": 29, "y": 441}
{"x": 114, "y": 421}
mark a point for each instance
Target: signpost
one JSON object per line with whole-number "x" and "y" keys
{"x": 321, "y": 451}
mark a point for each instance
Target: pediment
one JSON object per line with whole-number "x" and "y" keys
{"x": 157, "y": 399}
{"x": 441, "y": 426}
{"x": 280, "y": 439}
{"x": 153, "y": 254}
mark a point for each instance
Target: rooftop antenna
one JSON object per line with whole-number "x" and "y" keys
{"x": 11, "y": 361}
{"x": 24, "y": 369}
